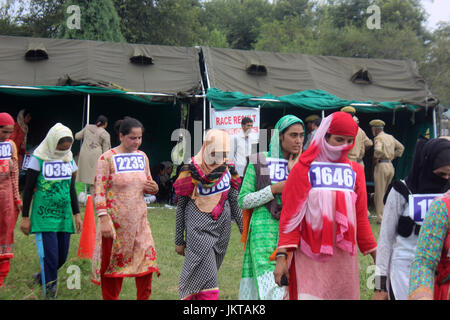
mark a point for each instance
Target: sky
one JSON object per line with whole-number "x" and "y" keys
{"x": 439, "y": 10}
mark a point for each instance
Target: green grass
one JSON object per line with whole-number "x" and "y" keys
{"x": 19, "y": 284}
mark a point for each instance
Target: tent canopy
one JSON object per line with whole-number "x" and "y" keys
{"x": 258, "y": 73}
{"x": 49, "y": 91}
{"x": 129, "y": 67}
{"x": 312, "y": 100}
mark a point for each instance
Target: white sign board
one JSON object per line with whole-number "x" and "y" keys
{"x": 230, "y": 120}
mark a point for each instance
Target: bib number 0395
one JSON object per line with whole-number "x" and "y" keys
{"x": 57, "y": 170}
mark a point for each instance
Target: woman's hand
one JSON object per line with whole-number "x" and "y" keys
{"x": 281, "y": 268}
{"x": 106, "y": 227}
{"x": 374, "y": 256}
{"x": 19, "y": 207}
{"x": 180, "y": 249}
{"x": 151, "y": 187}
{"x": 78, "y": 222}
{"x": 25, "y": 225}
{"x": 277, "y": 188}
{"x": 293, "y": 160}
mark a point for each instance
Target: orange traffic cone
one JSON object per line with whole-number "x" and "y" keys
{"x": 87, "y": 239}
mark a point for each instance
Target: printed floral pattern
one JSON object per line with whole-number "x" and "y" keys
{"x": 121, "y": 196}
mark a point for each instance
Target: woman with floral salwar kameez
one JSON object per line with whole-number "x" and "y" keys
{"x": 324, "y": 218}
{"x": 260, "y": 198}
{"x": 10, "y": 203}
{"x": 430, "y": 270}
{"x": 124, "y": 243}
{"x": 207, "y": 189}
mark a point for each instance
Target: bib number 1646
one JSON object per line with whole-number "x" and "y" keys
{"x": 332, "y": 176}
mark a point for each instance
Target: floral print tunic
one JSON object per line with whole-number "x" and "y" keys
{"x": 121, "y": 195}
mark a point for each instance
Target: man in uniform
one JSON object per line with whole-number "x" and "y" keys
{"x": 362, "y": 142}
{"x": 309, "y": 129}
{"x": 386, "y": 149}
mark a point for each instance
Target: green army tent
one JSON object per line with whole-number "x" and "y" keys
{"x": 391, "y": 90}
{"x": 74, "y": 81}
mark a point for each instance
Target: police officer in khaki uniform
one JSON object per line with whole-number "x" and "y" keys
{"x": 362, "y": 142}
{"x": 386, "y": 149}
{"x": 309, "y": 129}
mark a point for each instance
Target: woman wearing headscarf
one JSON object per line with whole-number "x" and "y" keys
{"x": 19, "y": 136}
{"x": 208, "y": 190}
{"x": 124, "y": 243}
{"x": 260, "y": 197}
{"x": 96, "y": 141}
{"x": 430, "y": 270}
{"x": 324, "y": 217}
{"x": 52, "y": 173}
{"x": 405, "y": 208}
{"x": 10, "y": 203}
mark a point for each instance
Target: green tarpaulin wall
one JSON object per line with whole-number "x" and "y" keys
{"x": 405, "y": 122}
{"x": 68, "y": 105}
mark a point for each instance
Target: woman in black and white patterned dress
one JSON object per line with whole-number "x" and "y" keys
{"x": 207, "y": 190}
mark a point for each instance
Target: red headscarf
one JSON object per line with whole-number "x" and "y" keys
{"x": 308, "y": 215}
{"x": 6, "y": 119}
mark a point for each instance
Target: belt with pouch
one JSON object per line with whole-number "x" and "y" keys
{"x": 406, "y": 226}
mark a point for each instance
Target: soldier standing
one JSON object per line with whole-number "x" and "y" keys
{"x": 309, "y": 120}
{"x": 362, "y": 142}
{"x": 386, "y": 149}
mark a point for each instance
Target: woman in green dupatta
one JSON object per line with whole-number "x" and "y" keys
{"x": 260, "y": 198}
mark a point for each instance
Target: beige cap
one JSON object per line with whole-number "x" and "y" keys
{"x": 377, "y": 123}
{"x": 311, "y": 117}
{"x": 348, "y": 109}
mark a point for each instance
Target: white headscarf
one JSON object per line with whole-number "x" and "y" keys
{"x": 47, "y": 149}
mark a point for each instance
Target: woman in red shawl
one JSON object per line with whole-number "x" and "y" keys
{"x": 324, "y": 216}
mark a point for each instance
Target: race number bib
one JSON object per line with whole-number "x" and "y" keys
{"x": 419, "y": 204}
{"x": 332, "y": 176}
{"x": 278, "y": 169}
{"x": 222, "y": 186}
{"x": 26, "y": 161}
{"x": 129, "y": 162}
{"x": 5, "y": 150}
{"x": 57, "y": 170}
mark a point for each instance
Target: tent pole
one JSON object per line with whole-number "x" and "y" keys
{"x": 88, "y": 109}
{"x": 323, "y": 113}
{"x": 434, "y": 123}
{"x": 204, "y": 112}
{"x": 204, "y": 99}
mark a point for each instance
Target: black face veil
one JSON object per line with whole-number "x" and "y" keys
{"x": 429, "y": 156}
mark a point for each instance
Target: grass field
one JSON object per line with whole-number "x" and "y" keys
{"x": 19, "y": 284}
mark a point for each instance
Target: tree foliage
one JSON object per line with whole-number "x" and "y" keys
{"x": 98, "y": 21}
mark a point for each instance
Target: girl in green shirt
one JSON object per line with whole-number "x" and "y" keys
{"x": 51, "y": 172}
